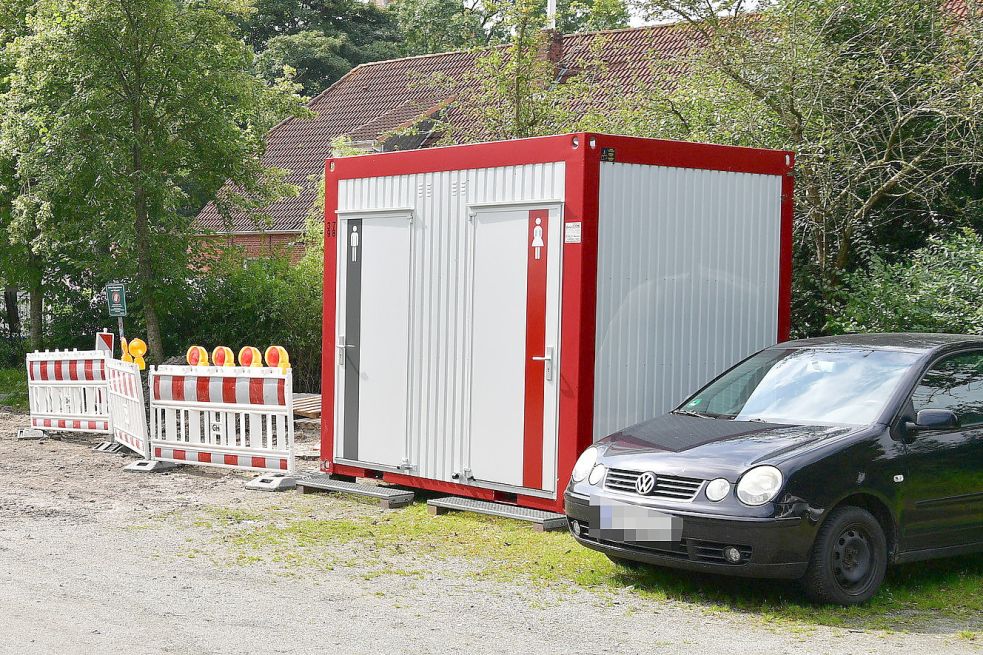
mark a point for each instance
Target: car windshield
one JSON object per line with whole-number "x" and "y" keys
{"x": 807, "y": 386}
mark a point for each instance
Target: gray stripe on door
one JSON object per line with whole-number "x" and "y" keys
{"x": 353, "y": 336}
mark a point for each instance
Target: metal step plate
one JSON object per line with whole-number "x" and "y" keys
{"x": 389, "y": 498}
{"x": 541, "y": 519}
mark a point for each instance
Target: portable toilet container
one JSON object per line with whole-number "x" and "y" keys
{"x": 492, "y": 309}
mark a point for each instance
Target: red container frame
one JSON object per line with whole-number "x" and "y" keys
{"x": 581, "y": 153}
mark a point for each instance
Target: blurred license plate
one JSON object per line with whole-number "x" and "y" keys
{"x": 625, "y": 522}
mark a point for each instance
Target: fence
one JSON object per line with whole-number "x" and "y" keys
{"x": 67, "y": 391}
{"x": 129, "y": 415}
{"x": 235, "y": 417}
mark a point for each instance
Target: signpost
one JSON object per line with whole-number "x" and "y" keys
{"x": 116, "y": 298}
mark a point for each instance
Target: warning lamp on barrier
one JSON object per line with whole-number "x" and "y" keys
{"x": 137, "y": 349}
{"x": 125, "y": 348}
{"x": 197, "y": 356}
{"x": 276, "y": 356}
{"x": 249, "y": 356}
{"x": 222, "y": 356}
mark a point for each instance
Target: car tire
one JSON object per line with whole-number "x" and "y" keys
{"x": 848, "y": 560}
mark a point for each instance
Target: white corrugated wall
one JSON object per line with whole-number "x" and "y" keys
{"x": 438, "y": 317}
{"x": 687, "y": 283}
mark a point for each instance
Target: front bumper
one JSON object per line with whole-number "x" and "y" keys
{"x": 770, "y": 548}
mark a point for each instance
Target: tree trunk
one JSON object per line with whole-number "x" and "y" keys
{"x": 37, "y": 301}
{"x": 145, "y": 266}
{"x": 12, "y": 311}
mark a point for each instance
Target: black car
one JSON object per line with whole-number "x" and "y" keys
{"x": 822, "y": 460}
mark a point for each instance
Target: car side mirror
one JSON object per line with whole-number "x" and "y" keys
{"x": 932, "y": 419}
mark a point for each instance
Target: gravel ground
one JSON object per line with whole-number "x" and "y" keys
{"x": 94, "y": 560}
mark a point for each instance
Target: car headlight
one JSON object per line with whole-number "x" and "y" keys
{"x": 584, "y": 464}
{"x": 597, "y": 473}
{"x": 718, "y": 489}
{"x": 759, "y": 485}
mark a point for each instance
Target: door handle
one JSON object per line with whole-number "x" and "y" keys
{"x": 548, "y": 359}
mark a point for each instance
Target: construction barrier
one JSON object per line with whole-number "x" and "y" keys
{"x": 235, "y": 417}
{"x": 129, "y": 415}
{"x": 67, "y": 391}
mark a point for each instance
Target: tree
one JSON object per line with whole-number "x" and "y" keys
{"x": 446, "y": 25}
{"x": 516, "y": 90}
{"x": 879, "y": 99}
{"x": 591, "y": 15}
{"x": 116, "y": 109}
{"x": 320, "y": 39}
{"x": 938, "y": 288}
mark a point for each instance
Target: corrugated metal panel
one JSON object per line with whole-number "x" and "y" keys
{"x": 687, "y": 283}
{"x": 438, "y": 294}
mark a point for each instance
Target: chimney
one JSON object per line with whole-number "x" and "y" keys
{"x": 554, "y": 45}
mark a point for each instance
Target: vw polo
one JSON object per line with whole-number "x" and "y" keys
{"x": 823, "y": 460}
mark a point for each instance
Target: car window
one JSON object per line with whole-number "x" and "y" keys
{"x": 808, "y": 386}
{"x": 954, "y": 383}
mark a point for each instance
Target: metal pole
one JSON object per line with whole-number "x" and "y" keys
{"x": 121, "y": 336}
{"x": 551, "y": 14}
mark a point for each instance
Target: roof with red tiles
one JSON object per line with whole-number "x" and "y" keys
{"x": 375, "y": 99}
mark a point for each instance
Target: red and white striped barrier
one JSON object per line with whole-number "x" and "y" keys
{"x": 235, "y": 417}
{"x": 67, "y": 391}
{"x": 129, "y": 416}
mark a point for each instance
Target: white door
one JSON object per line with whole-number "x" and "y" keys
{"x": 514, "y": 350}
{"x": 372, "y": 340}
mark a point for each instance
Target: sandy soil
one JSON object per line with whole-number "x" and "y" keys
{"x": 95, "y": 560}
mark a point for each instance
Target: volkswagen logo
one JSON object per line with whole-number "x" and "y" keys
{"x": 645, "y": 483}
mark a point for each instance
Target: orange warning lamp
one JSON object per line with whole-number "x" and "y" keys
{"x": 249, "y": 356}
{"x": 197, "y": 356}
{"x": 222, "y": 356}
{"x": 277, "y": 357}
{"x": 124, "y": 347}
{"x": 137, "y": 348}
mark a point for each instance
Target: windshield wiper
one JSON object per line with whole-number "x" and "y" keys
{"x": 686, "y": 412}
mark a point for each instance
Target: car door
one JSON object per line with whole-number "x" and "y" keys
{"x": 943, "y": 489}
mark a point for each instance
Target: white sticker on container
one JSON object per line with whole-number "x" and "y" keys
{"x": 571, "y": 232}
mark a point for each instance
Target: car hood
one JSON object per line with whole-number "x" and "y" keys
{"x": 689, "y": 445}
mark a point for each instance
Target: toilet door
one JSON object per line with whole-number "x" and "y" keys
{"x": 514, "y": 348}
{"x": 372, "y": 340}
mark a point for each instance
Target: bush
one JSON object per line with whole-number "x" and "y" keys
{"x": 938, "y": 289}
{"x": 254, "y": 302}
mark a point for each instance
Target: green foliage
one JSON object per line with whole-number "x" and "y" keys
{"x": 512, "y": 91}
{"x": 444, "y": 25}
{"x": 13, "y": 384}
{"x": 879, "y": 100}
{"x": 121, "y": 118}
{"x": 320, "y": 39}
{"x": 255, "y": 302}
{"x": 591, "y": 15}
{"x": 938, "y": 288}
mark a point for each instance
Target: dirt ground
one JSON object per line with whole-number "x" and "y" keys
{"x": 95, "y": 560}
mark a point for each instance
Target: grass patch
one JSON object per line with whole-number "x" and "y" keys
{"x": 913, "y": 597}
{"x": 13, "y": 388}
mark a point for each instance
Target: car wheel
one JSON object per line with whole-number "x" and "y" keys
{"x": 849, "y": 558}
{"x": 627, "y": 563}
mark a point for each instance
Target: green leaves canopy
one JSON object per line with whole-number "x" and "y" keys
{"x": 121, "y": 117}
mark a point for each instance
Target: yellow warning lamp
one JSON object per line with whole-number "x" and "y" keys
{"x": 249, "y": 356}
{"x": 138, "y": 348}
{"x": 126, "y": 357}
{"x": 222, "y": 356}
{"x": 197, "y": 356}
{"x": 276, "y": 356}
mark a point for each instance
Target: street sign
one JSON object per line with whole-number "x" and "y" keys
{"x": 116, "y": 297}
